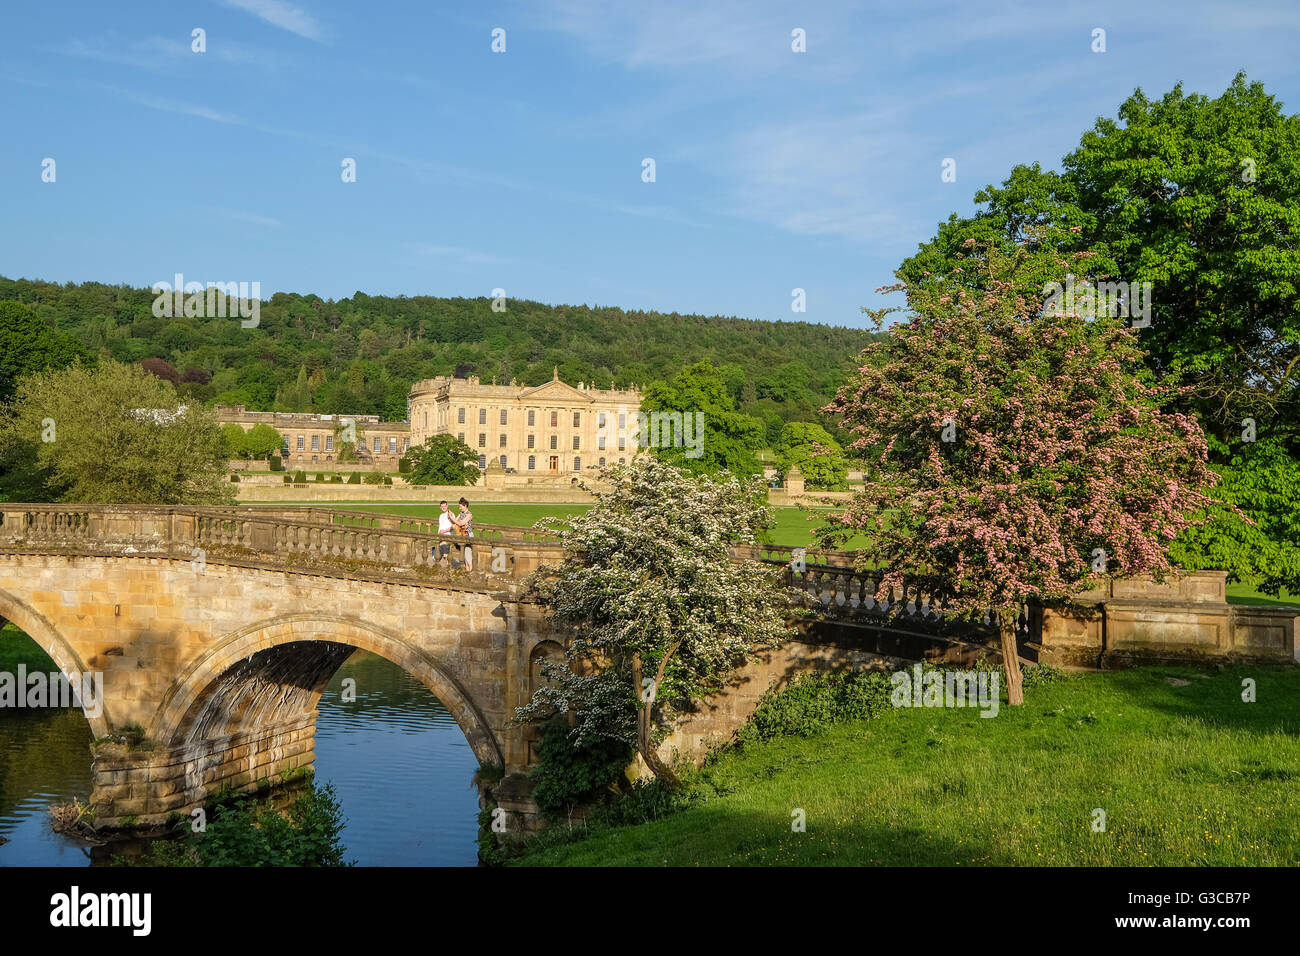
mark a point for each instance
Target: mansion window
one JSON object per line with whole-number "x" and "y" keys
{"x": 329, "y": 442}
{"x": 532, "y": 418}
{"x": 482, "y": 416}
{"x": 622, "y": 442}
{"x": 502, "y": 459}
{"x": 378, "y": 447}
{"x": 503, "y": 416}
{"x": 532, "y": 462}
{"x": 555, "y": 419}
{"x": 503, "y": 441}
{"x": 577, "y": 419}
{"x": 406, "y": 444}
{"x": 600, "y": 442}
{"x": 555, "y": 442}
{"x": 482, "y": 462}
{"x": 315, "y": 443}
{"x": 300, "y": 437}
{"x": 531, "y": 438}
{"x": 577, "y": 464}
{"x": 460, "y": 416}
{"x": 602, "y": 463}
{"x": 576, "y": 442}
{"x": 600, "y": 420}
{"x": 460, "y": 437}
{"x": 482, "y": 440}
{"x": 392, "y": 444}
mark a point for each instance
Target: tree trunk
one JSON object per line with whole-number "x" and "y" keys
{"x": 647, "y": 751}
{"x": 1010, "y": 657}
{"x": 643, "y": 722}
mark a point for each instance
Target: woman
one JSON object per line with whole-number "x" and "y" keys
{"x": 465, "y": 522}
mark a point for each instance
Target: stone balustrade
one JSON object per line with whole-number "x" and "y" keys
{"x": 277, "y": 537}
{"x": 1136, "y": 619}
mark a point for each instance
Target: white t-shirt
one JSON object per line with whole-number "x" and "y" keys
{"x": 444, "y": 523}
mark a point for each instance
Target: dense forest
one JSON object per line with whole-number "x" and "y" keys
{"x": 361, "y": 354}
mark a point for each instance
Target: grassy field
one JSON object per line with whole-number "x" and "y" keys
{"x": 1186, "y": 773}
{"x": 792, "y": 525}
{"x": 17, "y": 648}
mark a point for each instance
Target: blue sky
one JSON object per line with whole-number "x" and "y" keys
{"x": 523, "y": 170}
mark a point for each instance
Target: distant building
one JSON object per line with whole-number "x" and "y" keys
{"x": 309, "y": 439}
{"x": 548, "y": 429}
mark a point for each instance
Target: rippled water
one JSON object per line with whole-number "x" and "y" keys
{"x": 398, "y": 761}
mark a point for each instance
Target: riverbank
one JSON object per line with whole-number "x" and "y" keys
{"x": 17, "y": 648}
{"x": 1171, "y": 761}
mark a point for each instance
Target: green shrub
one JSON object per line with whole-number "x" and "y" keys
{"x": 320, "y": 476}
{"x": 300, "y": 477}
{"x": 1041, "y": 675}
{"x": 336, "y": 479}
{"x": 374, "y": 478}
{"x": 567, "y": 776}
{"x": 387, "y": 480}
{"x": 404, "y": 466}
{"x": 354, "y": 478}
{"x": 234, "y": 477}
{"x": 277, "y": 463}
{"x": 643, "y": 801}
{"x": 288, "y": 479}
{"x": 810, "y": 702}
{"x": 250, "y": 832}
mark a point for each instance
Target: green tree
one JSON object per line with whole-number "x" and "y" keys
{"x": 234, "y": 440}
{"x": 659, "y": 614}
{"x": 1263, "y": 480}
{"x": 816, "y": 453}
{"x": 1201, "y": 198}
{"x": 441, "y": 460}
{"x": 730, "y": 439}
{"x": 116, "y": 434}
{"x": 29, "y": 345}
{"x": 261, "y": 441}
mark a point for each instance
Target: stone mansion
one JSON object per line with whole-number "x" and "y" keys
{"x": 310, "y": 440}
{"x": 548, "y": 429}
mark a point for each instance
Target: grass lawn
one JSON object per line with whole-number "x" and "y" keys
{"x": 1186, "y": 773}
{"x": 792, "y": 525}
{"x": 1244, "y": 593}
{"x": 17, "y": 648}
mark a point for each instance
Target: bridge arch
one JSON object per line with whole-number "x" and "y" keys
{"x": 38, "y": 627}
{"x": 177, "y": 711}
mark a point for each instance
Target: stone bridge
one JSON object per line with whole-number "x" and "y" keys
{"x": 217, "y": 629}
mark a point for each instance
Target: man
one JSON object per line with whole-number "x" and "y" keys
{"x": 465, "y": 522}
{"x": 444, "y": 527}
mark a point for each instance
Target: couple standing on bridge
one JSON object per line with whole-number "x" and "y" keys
{"x": 460, "y": 524}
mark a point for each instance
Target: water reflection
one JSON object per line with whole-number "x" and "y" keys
{"x": 399, "y": 763}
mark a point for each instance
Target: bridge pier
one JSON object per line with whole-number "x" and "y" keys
{"x": 145, "y": 784}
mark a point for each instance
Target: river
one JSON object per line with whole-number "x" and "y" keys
{"x": 399, "y": 763}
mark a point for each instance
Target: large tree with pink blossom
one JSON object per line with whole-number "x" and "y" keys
{"x": 1016, "y": 453}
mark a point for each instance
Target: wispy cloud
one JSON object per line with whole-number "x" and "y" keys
{"x": 177, "y": 106}
{"x": 740, "y": 35}
{"x": 146, "y": 53}
{"x": 284, "y": 15}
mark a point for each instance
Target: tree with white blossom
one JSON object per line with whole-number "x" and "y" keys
{"x": 658, "y": 610}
